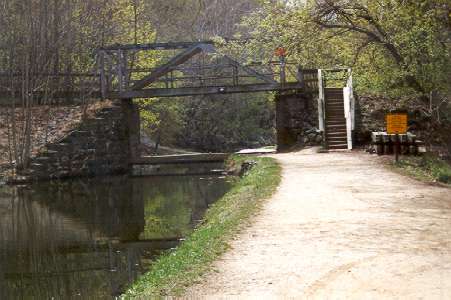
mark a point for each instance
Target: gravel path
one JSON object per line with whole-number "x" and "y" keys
{"x": 341, "y": 226}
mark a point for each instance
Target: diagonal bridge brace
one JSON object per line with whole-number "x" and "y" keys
{"x": 185, "y": 56}
{"x": 174, "y": 62}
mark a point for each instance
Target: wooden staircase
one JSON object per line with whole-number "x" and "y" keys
{"x": 335, "y": 121}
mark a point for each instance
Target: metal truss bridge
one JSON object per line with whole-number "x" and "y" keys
{"x": 183, "y": 69}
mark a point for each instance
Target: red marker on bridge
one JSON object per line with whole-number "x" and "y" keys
{"x": 281, "y": 52}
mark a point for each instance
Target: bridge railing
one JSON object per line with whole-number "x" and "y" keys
{"x": 48, "y": 87}
{"x": 197, "y": 65}
{"x": 192, "y": 69}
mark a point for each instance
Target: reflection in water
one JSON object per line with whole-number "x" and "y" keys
{"x": 88, "y": 239}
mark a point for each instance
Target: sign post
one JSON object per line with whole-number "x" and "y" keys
{"x": 397, "y": 124}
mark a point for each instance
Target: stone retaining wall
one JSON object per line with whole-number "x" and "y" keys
{"x": 101, "y": 145}
{"x": 297, "y": 121}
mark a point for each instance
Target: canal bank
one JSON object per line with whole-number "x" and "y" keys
{"x": 177, "y": 269}
{"x": 91, "y": 238}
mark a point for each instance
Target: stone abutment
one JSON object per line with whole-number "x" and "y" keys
{"x": 103, "y": 144}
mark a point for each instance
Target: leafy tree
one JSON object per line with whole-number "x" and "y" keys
{"x": 397, "y": 48}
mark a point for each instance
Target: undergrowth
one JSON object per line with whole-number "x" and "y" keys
{"x": 426, "y": 168}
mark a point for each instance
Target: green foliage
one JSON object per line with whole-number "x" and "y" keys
{"x": 211, "y": 124}
{"x": 428, "y": 167}
{"x": 228, "y": 123}
{"x": 161, "y": 119}
{"x": 176, "y": 270}
{"x": 393, "y": 46}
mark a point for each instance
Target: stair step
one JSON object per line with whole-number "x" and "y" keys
{"x": 336, "y": 125}
{"x": 336, "y": 118}
{"x": 335, "y": 137}
{"x": 336, "y": 142}
{"x": 336, "y": 134}
{"x": 340, "y": 116}
{"x": 336, "y": 122}
{"x": 338, "y": 147}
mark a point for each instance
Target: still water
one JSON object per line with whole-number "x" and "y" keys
{"x": 89, "y": 239}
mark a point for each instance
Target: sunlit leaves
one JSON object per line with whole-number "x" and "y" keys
{"x": 387, "y": 42}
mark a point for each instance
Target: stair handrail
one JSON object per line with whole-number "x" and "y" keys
{"x": 350, "y": 85}
{"x": 322, "y": 106}
{"x": 349, "y": 108}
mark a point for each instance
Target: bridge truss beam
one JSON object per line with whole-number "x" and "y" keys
{"x": 202, "y": 91}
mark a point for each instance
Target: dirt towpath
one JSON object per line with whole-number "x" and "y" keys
{"x": 341, "y": 226}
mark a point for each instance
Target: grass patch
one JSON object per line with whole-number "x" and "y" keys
{"x": 426, "y": 168}
{"x": 176, "y": 270}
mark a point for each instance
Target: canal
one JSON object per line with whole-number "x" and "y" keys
{"x": 91, "y": 238}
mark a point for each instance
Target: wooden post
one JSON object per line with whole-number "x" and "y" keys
{"x": 166, "y": 80}
{"x": 282, "y": 70}
{"x": 109, "y": 71}
{"x": 397, "y": 147}
{"x": 103, "y": 79}
{"x": 125, "y": 72}
{"x": 235, "y": 75}
{"x": 301, "y": 77}
{"x": 172, "y": 80}
{"x": 120, "y": 71}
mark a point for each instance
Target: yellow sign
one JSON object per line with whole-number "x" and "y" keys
{"x": 397, "y": 123}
